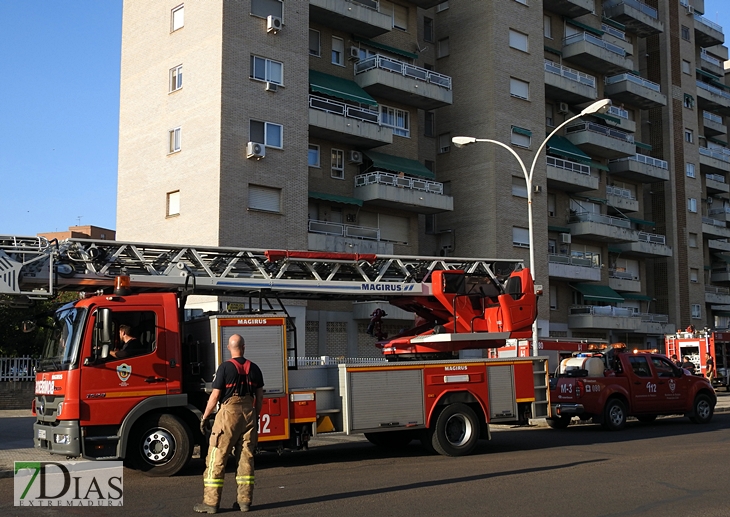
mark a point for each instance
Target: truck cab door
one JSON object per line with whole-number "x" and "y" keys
{"x": 644, "y": 386}
{"x": 672, "y": 385}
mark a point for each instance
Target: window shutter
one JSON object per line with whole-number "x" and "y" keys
{"x": 264, "y": 198}
{"x": 393, "y": 228}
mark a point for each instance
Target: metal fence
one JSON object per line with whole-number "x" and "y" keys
{"x": 604, "y": 130}
{"x": 569, "y": 166}
{"x": 394, "y": 180}
{"x": 569, "y": 73}
{"x": 344, "y": 230}
{"x": 583, "y": 217}
{"x": 590, "y": 38}
{"x": 402, "y": 68}
{"x": 17, "y": 368}
{"x": 712, "y": 89}
{"x": 634, "y": 79}
{"x": 345, "y": 110}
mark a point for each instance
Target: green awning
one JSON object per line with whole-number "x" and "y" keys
{"x": 561, "y": 146}
{"x": 707, "y": 74}
{"x": 635, "y": 296}
{"x": 338, "y": 87}
{"x": 387, "y": 48}
{"x": 335, "y": 198}
{"x": 597, "y": 293}
{"x": 597, "y": 32}
{"x": 641, "y": 145}
{"x": 720, "y": 85}
{"x": 398, "y": 164}
{"x": 614, "y": 23}
{"x": 521, "y": 131}
{"x": 553, "y": 51}
{"x": 614, "y": 250}
{"x": 559, "y": 229}
{"x": 610, "y": 118}
{"x": 642, "y": 221}
{"x": 721, "y": 256}
{"x": 596, "y": 165}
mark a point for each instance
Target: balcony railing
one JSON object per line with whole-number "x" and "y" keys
{"x": 708, "y": 23}
{"x": 713, "y": 222}
{"x": 649, "y": 11}
{"x": 712, "y": 89}
{"x": 405, "y": 69}
{"x": 603, "y": 310}
{"x": 394, "y": 180}
{"x": 642, "y": 158}
{"x": 583, "y": 217}
{"x": 653, "y": 318}
{"x": 370, "y": 4}
{"x": 721, "y": 210}
{"x": 621, "y": 275}
{"x": 652, "y": 238}
{"x": 613, "y": 31}
{"x": 620, "y": 192}
{"x": 619, "y": 112}
{"x": 344, "y": 230}
{"x": 710, "y": 59}
{"x": 590, "y": 38}
{"x": 597, "y": 128}
{"x": 711, "y": 116}
{"x": 569, "y": 166}
{"x": 346, "y": 110}
{"x": 716, "y": 177}
{"x": 711, "y": 289}
{"x": 634, "y": 79}
{"x": 571, "y": 261}
{"x": 714, "y": 153}
{"x": 569, "y": 73}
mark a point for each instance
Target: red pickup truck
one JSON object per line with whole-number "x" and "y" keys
{"x": 611, "y": 386}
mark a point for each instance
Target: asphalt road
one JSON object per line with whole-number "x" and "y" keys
{"x": 669, "y": 468}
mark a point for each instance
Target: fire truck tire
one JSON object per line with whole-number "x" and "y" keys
{"x": 646, "y": 419}
{"x": 390, "y": 439}
{"x": 456, "y": 431}
{"x": 702, "y": 409}
{"x": 614, "y": 415}
{"x": 558, "y": 423}
{"x": 161, "y": 445}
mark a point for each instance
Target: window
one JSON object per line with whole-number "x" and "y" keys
{"x": 689, "y": 136}
{"x": 175, "y": 135}
{"x": 690, "y": 168}
{"x": 267, "y": 133}
{"x": 696, "y": 311}
{"x": 429, "y": 126}
{"x": 395, "y": 118}
{"x": 443, "y": 48}
{"x": 520, "y": 237}
{"x": 519, "y": 187}
{"x": 442, "y": 6}
{"x": 427, "y": 29}
{"x": 314, "y": 46}
{"x": 694, "y": 275}
{"x": 549, "y": 120}
{"x": 313, "y": 156}
{"x": 173, "y": 203}
{"x": 551, "y": 200}
{"x": 138, "y": 324}
{"x": 689, "y": 101}
{"x": 692, "y": 205}
{"x": 175, "y": 78}
{"x": 519, "y": 89}
{"x": 444, "y": 143}
{"x": 338, "y": 51}
{"x": 264, "y": 69}
{"x": 518, "y": 40}
{"x": 338, "y": 164}
{"x": 265, "y": 8}
{"x": 264, "y": 198}
{"x": 692, "y": 240}
{"x": 547, "y": 27}
{"x": 178, "y": 17}
{"x": 553, "y": 298}
{"x": 521, "y": 137}
{"x": 686, "y": 67}
{"x": 685, "y": 33}
{"x": 552, "y": 246}
{"x": 400, "y": 17}
{"x": 640, "y": 365}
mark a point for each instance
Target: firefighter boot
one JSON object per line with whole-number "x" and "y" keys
{"x": 241, "y": 507}
{"x": 205, "y": 508}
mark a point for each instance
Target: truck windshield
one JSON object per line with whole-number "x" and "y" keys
{"x": 63, "y": 336}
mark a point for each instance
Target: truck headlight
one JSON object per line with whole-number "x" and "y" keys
{"x": 60, "y": 408}
{"x": 61, "y": 439}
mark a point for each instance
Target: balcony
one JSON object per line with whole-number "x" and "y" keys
{"x": 648, "y": 245}
{"x": 391, "y": 190}
{"x": 711, "y": 63}
{"x": 402, "y": 82}
{"x": 570, "y": 176}
{"x": 573, "y": 268}
{"x": 623, "y": 281}
{"x": 714, "y": 161}
{"x": 654, "y": 324}
{"x": 635, "y": 91}
{"x": 599, "y": 140}
{"x": 721, "y": 245}
{"x": 640, "y": 167}
{"x": 716, "y": 184}
{"x": 565, "y": 84}
{"x": 713, "y": 98}
{"x": 590, "y": 51}
{"x": 721, "y": 270}
{"x": 721, "y": 213}
{"x": 347, "y": 124}
{"x": 359, "y": 17}
{"x": 714, "y": 294}
{"x": 618, "y": 319}
{"x": 330, "y": 236}
{"x": 621, "y": 199}
{"x": 713, "y": 124}
{"x": 600, "y": 227}
{"x": 707, "y": 33}
{"x": 569, "y": 8}
{"x": 627, "y": 125}
{"x": 636, "y": 16}
{"x": 715, "y": 228}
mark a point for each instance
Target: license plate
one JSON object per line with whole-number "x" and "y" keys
{"x": 42, "y": 434}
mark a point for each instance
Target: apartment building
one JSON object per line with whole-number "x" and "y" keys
{"x": 327, "y": 125}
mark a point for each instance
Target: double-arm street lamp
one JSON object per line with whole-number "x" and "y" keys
{"x": 600, "y": 106}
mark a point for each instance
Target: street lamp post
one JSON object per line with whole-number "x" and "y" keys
{"x": 600, "y": 106}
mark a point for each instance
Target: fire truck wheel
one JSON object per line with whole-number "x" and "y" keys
{"x": 160, "y": 446}
{"x": 614, "y": 415}
{"x": 646, "y": 419}
{"x": 559, "y": 423}
{"x": 456, "y": 431}
{"x": 390, "y": 439}
{"x": 702, "y": 409}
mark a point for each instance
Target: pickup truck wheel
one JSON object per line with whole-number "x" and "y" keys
{"x": 160, "y": 445}
{"x": 456, "y": 431}
{"x": 559, "y": 423}
{"x": 646, "y": 419}
{"x": 702, "y": 409}
{"x": 614, "y": 415}
{"x": 390, "y": 439}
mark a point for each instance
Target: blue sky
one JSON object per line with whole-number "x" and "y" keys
{"x": 59, "y": 95}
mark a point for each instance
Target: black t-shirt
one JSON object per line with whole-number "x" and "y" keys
{"x": 226, "y": 379}
{"x": 131, "y": 348}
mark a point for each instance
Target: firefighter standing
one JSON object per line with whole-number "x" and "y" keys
{"x": 239, "y": 386}
{"x": 710, "y": 368}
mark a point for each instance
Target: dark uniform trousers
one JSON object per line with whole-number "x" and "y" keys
{"x": 234, "y": 426}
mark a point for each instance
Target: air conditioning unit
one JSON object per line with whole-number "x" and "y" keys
{"x": 563, "y": 108}
{"x": 709, "y": 200}
{"x": 538, "y": 189}
{"x": 271, "y": 87}
{"x": 690, "y": 10}
{"x": 354, "y": 53}
{"x": 273, "y": 24}
{"x": 355, "y": 157}
{"x": 565, "y": 238}
{"x": 255, "y": 150}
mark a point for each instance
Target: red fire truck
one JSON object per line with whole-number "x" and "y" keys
{"x": 698, "y": 345}
{"x": 144, "y": 409}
